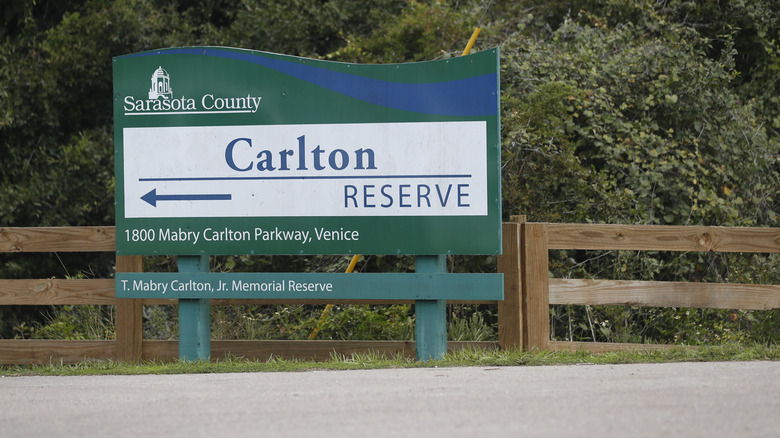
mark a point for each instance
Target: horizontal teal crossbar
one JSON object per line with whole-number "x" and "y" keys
{"x": 311, "y": 286}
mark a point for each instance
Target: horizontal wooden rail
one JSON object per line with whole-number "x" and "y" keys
{"x": 665, "y": 294}
{"x": 37, "y": 351}
{"x": 43, "y": 351}
{"x": 101, "y": 292}
{"x": 304, "y": 350}
{"x": 289, "y": 350}
{"x": 663, "y": 238}
{"x": 261, "y": 302}
{"x": 608, "y": 347}
{"x": 58, "y": 239}
{"x": 57, "y": 292}
{"x": 561, "y": 236}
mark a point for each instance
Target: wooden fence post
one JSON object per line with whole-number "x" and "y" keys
{"x": 129, "y": 316}
{"x": 510, "y": 310}
{"x": 535, "y": 286}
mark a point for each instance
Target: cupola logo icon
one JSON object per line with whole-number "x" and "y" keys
{"x": 161, "y": 85}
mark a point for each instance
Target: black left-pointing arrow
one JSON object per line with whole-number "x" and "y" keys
{"x": 152, "y": 197}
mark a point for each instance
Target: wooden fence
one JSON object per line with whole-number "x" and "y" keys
{"x": 523, "y": 315}
{"x": 129, "y": 343}
{"x": 538, "y": 291}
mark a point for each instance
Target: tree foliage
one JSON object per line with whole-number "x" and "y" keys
{"x": 646, "y": 128}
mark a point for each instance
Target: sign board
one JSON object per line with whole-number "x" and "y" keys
{"x": 330, "y": 286}
{"x": 231, "y": 151}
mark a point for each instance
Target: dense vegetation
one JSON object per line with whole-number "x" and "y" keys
{"x": 614, "y": 111}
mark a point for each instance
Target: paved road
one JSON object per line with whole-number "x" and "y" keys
{"x": 687, "y": 400}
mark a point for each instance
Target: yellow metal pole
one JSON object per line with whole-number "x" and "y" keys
{"x": 472, "y": 40}
{"x": 352, "y": 264}
{"x": 350, "y": 269}
{"x": 477, "y": 29}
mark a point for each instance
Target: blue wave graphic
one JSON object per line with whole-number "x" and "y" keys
{"x": 470, "y": 97}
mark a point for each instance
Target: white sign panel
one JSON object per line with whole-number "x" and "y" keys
{"x": 372, "y": 169}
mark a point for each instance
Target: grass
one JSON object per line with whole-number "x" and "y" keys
{"x": 461, "y": 358}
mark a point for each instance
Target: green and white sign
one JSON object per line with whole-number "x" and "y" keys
{"x": 230, "y": 151}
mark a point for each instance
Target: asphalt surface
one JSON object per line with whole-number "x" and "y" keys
{"x": 733, "y": 399}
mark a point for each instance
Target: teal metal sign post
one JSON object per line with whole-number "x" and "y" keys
{"x": 232, "y": 151}
{"x": 194, "y": 316}
{"x": 430, "y": 329}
